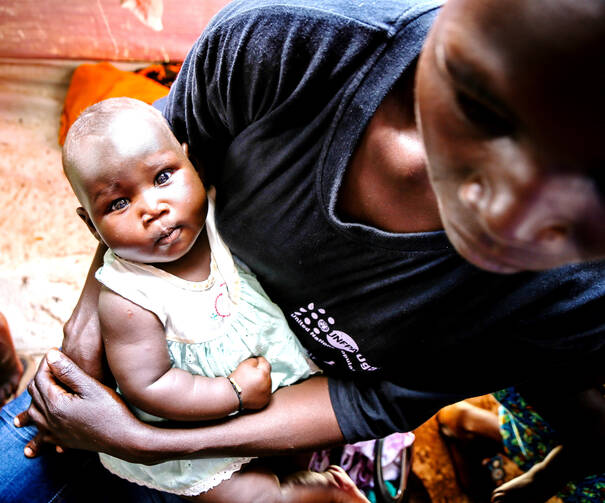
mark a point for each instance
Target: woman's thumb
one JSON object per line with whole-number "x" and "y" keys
{"x": 65, "y": 370}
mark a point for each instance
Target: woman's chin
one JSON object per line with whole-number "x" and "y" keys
{"x": 491, "y": 265}
{"x": 492, "y": 259}
{"x": 505, "y": 260}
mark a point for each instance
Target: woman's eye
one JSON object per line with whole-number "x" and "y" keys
{"x": 482, "y": 116}
{"x": 163, "y": 177}
{"x": 118, "y": 204}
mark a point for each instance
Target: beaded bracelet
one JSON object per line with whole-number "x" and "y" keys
{"x": 238, "y": 392}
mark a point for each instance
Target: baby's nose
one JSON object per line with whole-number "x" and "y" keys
{"x": 152, "y": 207}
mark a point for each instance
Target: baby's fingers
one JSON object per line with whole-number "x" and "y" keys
{"x": 263, "y": 364}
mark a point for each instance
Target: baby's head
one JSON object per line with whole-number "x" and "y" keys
{"x": 510, "y": 98}
{"x": 139, "y": 192}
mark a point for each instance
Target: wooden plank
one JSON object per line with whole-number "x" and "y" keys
{"x": 99, "y": 30}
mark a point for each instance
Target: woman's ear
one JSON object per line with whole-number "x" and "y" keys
{"x": 83, "y": 214}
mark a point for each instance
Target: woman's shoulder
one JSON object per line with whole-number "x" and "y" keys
{"x": 381, "y": 15}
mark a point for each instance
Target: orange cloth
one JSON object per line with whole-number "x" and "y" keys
{"x": 92, "y": 83}
{"x": 164, "y": 73}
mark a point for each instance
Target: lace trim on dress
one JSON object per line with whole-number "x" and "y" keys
{"x": 199, "y": 487}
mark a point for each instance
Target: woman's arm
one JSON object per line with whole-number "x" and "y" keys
{"x": 135, "y": 344}
{"x": 82, "y": 335}
{"x": 299, "y": 417}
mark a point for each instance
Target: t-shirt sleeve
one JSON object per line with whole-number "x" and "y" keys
{"x": 374, "y": 409}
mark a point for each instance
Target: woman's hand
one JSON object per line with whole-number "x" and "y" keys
{"x": 71, "y": 409}
{"x": 74, "y": 410}
{"x": 81, "y": 341}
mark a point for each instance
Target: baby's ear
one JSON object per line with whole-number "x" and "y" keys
{"x": 83, "y": 214}
{"x": 196, "y": 163}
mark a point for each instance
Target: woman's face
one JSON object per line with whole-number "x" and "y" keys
{"x": 510, "y": 99}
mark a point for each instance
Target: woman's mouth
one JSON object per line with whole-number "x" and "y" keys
{"x": 168, "y": 236}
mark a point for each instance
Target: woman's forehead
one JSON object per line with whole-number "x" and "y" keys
{"x": 513, "y": 25}
{"x": 544, "y": 63}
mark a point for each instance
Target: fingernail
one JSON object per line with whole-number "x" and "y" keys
{"x": 52, "y": 356}
{"x": 16, "y": 422}
{"x": 28, "y": 452}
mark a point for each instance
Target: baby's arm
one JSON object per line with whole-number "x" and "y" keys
{"x": 136, "y": 350}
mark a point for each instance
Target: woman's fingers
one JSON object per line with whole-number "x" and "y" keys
{"x": 66, "y": 372}
{"x": 39, "y": 407}
{"x": 22, "y": 419}
{"x": 36, "y": 444}
{"x": 72, "y": 408}
{"x": 57, "y": 378}
{"x": 33, "y": 447}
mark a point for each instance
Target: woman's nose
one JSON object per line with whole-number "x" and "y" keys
{"x": 540, "y": 210}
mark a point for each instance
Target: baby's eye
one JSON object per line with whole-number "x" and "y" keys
{"x": 118, "y": 204}
{"x": 482, "y": 116}
{"x": 163, "y": 176}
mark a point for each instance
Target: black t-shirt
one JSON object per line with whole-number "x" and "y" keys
{"x": 273, "y": 99}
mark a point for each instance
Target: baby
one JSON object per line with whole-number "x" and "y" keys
{"x": 184, "y": 326}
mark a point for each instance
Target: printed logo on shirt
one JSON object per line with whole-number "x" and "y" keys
{"x": 315, "y": 321}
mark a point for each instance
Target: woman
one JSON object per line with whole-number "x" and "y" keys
{"x": 335, "y": 192}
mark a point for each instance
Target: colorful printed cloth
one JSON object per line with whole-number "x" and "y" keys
{"x": 528, "y": 439}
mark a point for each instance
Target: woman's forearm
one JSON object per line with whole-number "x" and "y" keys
{"x": 299, "y": 417}
{"x": 76, "y": 411}
{"x": 82, "y": 334}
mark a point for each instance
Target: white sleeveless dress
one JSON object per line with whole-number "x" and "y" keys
{"x": 211, "y": 326}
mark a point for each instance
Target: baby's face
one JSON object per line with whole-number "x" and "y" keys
{"x": 511, "y": 105}
{"x": 145, "y": 198}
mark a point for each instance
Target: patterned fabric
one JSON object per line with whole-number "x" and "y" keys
{"x": 528, "y": 439}
{"x": 358, "y": 461}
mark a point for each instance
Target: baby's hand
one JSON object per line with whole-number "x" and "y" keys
{"x": 254, "y": 377}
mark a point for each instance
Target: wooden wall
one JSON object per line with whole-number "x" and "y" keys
{"x": 99, "y": 30}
